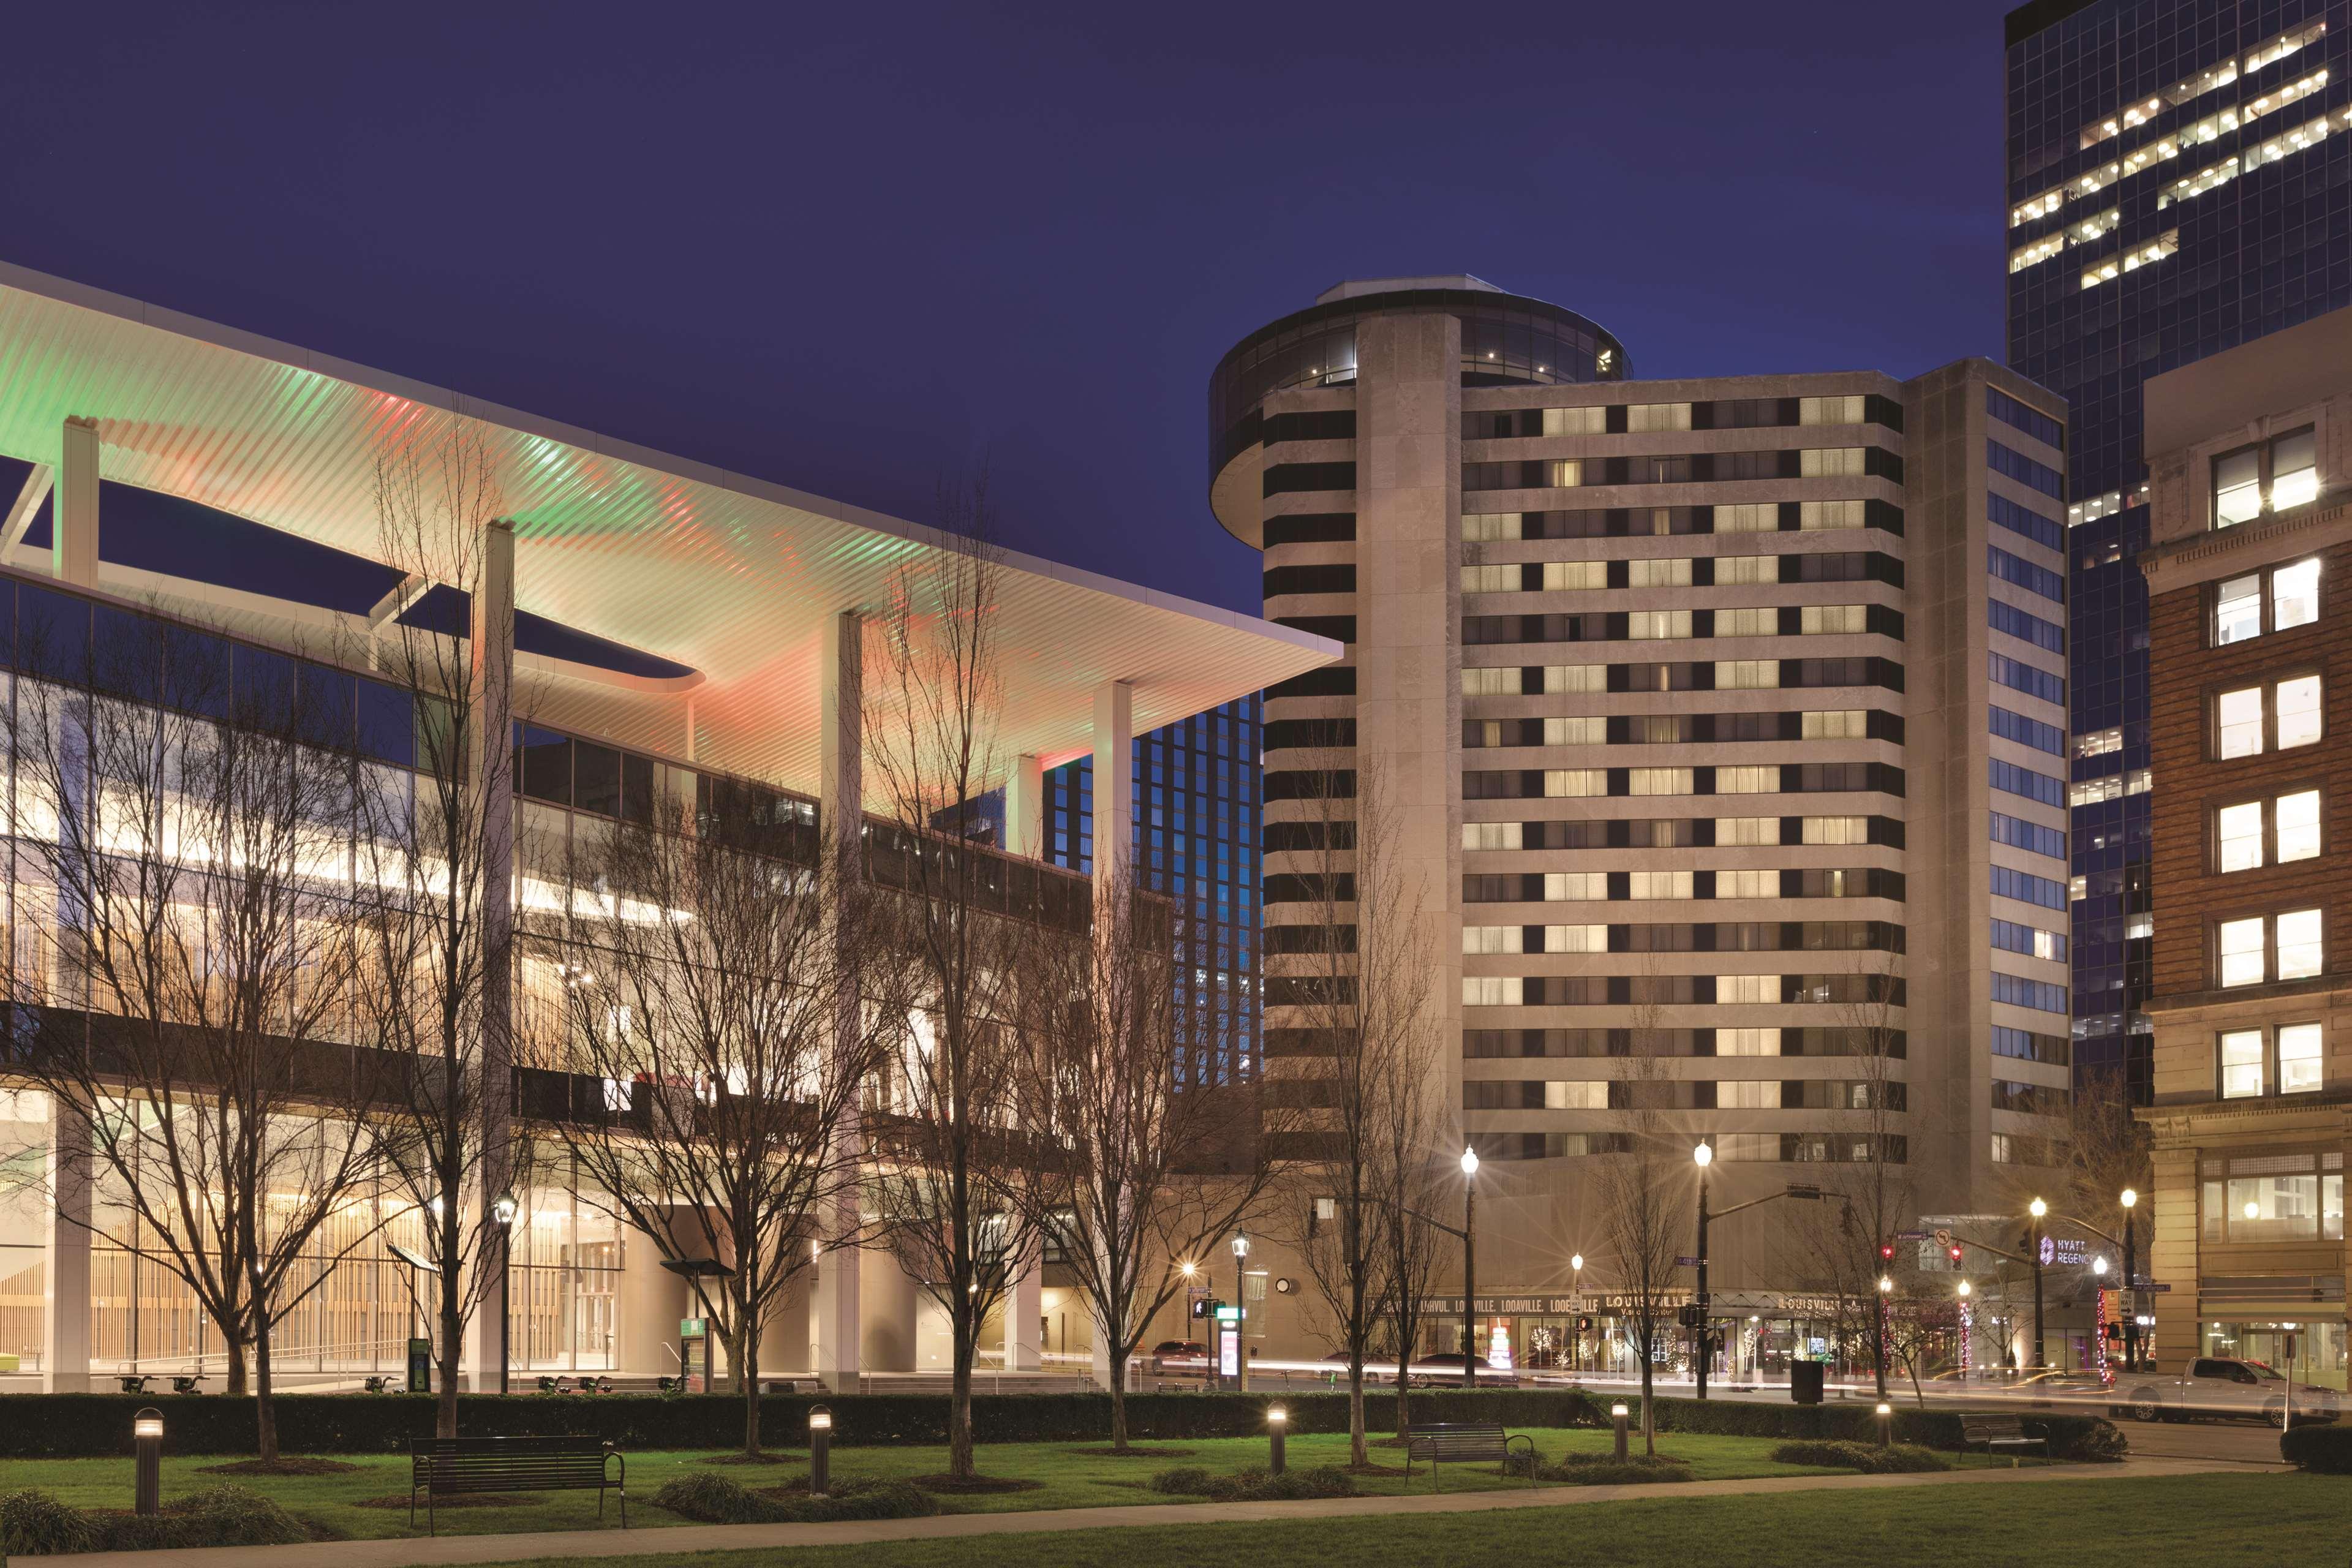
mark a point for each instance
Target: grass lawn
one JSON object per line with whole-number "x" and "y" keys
{"x": 2228, "y": 1520}
{"x": 1070, "y": 1479}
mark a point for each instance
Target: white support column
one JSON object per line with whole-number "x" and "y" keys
{"x": 1114, "y": 845}
{"x": 73, "y": 519}
{"x": 1025, "y": 1312}
{"x": 841, "y": 794}
{"x": 65, "y": 1365}
{"x": 1024, "y": 809}
{"x": 491, "y": 697}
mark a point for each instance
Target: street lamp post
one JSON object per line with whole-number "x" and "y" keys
{"x": 504, "y": 1208}
{"x": 2131, "y": 1284}
{"x": 1469, "y": 1267}
{"x": 1241, "y": 1311}
{"x": 1576, "y": 1356}
{"x": 1705, "y": 1156}
{"x": 2037, "y": 1209}
{"x": 1885, "y": 1294}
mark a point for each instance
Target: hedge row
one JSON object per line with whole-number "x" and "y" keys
{"x": 61, "y": 1426}
{"x": 2325, "y": 1450}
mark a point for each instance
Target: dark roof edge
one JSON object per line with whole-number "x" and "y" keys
{"x": 2028, "y": 19}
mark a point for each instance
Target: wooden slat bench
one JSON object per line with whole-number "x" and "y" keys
{"x": 455, "y": 1466}
{"x": 1998, "y": 1432}
{"x": 1463, "y": 1442}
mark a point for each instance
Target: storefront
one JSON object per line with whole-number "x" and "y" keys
{"x": 1757, "y": 1333}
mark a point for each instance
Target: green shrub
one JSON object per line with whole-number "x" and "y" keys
{"x": 218, "y": 1516}
{"x": 36, "y": 1523}
{"x": 1254, "y": 1485}
{"x": 1524, "y": 1462}
{"x": 2323, "y": 1450}
{"x": 2094, "y": 1441}
{"x": 1902, "y": 1459}
{"x": 1606, "y": 1470}
{"x": 717, "y": 1499}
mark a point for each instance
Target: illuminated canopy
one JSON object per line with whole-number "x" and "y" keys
{"x": 733, "y": 576}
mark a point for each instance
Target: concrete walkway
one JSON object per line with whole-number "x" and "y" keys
{"x": 615, "y": 1542}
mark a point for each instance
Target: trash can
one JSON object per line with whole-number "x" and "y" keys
{"x": 1805, "y": 1382}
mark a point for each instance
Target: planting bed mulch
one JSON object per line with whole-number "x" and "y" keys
{"x": 461, "y": 1500}
{"x": 1370, "y": 1469}
{"x": 1135, "y": 1453}
{"x": 750, "y": 1459}
{"x": 977, "y": 1486}
{"x": 279, "y": 1468}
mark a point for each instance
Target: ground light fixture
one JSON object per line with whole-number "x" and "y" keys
{"x": 1617, "y": 1415}
{"x": 1885, "y": 1422}
{"x": 1278, "y": 1427}
{"x": 820, "y": 1450}
{"x": 147, "y": 1434}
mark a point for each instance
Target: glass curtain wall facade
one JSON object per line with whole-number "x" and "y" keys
{"x": 2177, "y": 184}
{"x": 1196, "y": 843}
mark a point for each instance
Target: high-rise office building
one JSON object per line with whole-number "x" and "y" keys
{"x": 2176, "y": 186}
{"x": 1720, "y": 720}
{"x": 1196, "y": 842}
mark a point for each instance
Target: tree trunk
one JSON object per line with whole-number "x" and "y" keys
{"x": 1403, "y": 1386}
{"x": 746, "y": 1371}
{"x": 453, "y": 1341}
{"x": 1360, "y": 1452}
{"x": 1119, "y": 1402}
{"x": 235, "y": 1376}
{"x": 959, "y": 1406}
{"x": 1649, "y": 1424}
{"x": 264, "y": 1405}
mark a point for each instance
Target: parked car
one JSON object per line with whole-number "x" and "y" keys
{"x": 1180, "y": 1355}
{"x": 2224, "y": 1387}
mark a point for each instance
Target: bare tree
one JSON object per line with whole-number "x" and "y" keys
{"x": 946, "y": 1150}
{"x": 186, "y": 916}
{"x": 436, "y": 974}
{"x": 707, "y": 960}
{"x": 1642, "y": 1191}
{"x": 1412, "y": 1172}
{"x": 1148, "y": 1151}
{"x": 1875, "y": 1159}
{"x": 1366, "y": 1002}
{"x": 2106, "y": 1149}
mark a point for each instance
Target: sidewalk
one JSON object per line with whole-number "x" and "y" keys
{"x": 588, "y": 1543}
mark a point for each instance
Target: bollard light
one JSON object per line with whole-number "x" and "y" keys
{"x": 1277, "y": 1426}
{"x": 820, "y": 1450}
{"x": 1885, "y": 1422}
{"x": 1617, "y": 1415}
{"x": 147, "y": 1431}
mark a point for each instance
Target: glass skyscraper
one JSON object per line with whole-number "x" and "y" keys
{"x": 2178, "y": 175}
{"x": 1196, "y": 841}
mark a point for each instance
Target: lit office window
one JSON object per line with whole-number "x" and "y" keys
{"x": 2241, "y": 1064}
{"x": 2300, "y": 1066}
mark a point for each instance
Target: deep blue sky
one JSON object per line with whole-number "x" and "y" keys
{"x": 851, "y": 249}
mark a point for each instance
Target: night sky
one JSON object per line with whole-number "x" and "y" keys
{"x": 857, "y": 249}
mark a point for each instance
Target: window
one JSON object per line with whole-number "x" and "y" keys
{"x": 2294, "y": 594}
{"x": 2257, "y": 833}
{"x": 1490, "y": 836}
{"x": 2237, "y": 609}
{"x": 2032, "y": 421}
{"x": 1649, "y": 417}
{"x": 1747, "y": 674}
{"x": 2275, "y": 1196}
{"x": 2299, "y": 1062}
{"x": 2290, "y": 946}
{"x": 2002, "y": 617}
{"x": 2272, "y": 476}
{"x": 2032, "y": 679}
{"x": 2252, "y": 719}
{"x": 2026, "y": 731}
{"x": 1830, "y": 462}
{"x": 1485, "y": 527}
{"x": 1847, "y": 410}
{"x": 2241, "y": 1064}
{"x": 1648, "y": 573}
{"x": 1591, "y": 421}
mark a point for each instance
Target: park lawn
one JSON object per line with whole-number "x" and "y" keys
{"x": 1068, "y": 1477}
{"x": 2233, "y": 1520}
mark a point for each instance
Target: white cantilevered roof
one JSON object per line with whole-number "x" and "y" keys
{"x": 734, "y": 577}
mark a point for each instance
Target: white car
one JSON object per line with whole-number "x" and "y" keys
{"x": 2223, "y": 1387}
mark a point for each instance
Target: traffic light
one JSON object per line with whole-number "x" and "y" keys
{"x": 1886, "y": 1252}
{"x": 1206, "y": 1308}
{"x": 1953, "y": 1251}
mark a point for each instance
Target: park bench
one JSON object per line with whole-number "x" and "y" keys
{"x": 1998, "y": 1432}
{"x": 455, "y": 1466}
{"x": 1463, "y": 1442}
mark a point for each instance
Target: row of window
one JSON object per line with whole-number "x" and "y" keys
{"x": 1732, "y": 1148}
{"x": 2025, "y": 625}
{"x": 1674, "y": 728}
{"x": 1680, "y": 832}
{"x": 2288, "y": 1060}
{"x": 1703, "y": 675}
{"x": 2032, "y": 941}
{"x": 2025, "y": 732}
{"x": 2032, "y": 837}
{"x": 2144, "y": 254}
{"x": 1680, "y": 468}
{"x": 1681, "y": 1094}
{"x": 2015, "y": 778}
{"x": 2003, "y": 513}
{"x": 2257, "y": 949}
{"x": 2025, "y": 1046}
{"x": 1683, "y": 572}
{"x": 2261, "y": 155}
{"x": 2024, "y": 573}
{"x": 2040, "y": 995}
{"x": 2023, "y": 417}
{"x": 2267, "y": 52}
{"x": 2007, "y": 882}
{"x": 2030, "y": 679}
{"x": 2028, "y": 1099}
{"x": 1678, "y": 990}
{"x": 2274, "y": 1195}
{"x": 1770, "y": 1040}
{"x": 1768, "y": 778}
{"x": 1723, "y": 414}
{"x": 1678, "y": 625}
{"x": 1618, "y": 887}
{"x": 2016, "y": 465}
{"x": 1664, "y": 521}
